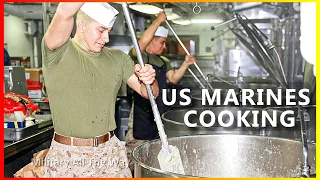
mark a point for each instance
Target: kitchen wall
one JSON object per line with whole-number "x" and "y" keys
{"x": 207, "y": 46}
{"x": 18, "y": 44}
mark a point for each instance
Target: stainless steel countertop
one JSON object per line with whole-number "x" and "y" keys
{"x": 12, "y": 148}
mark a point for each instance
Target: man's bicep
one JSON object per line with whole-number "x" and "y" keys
{"x": 51, "y": 58}
{"x": 59, "y": 32}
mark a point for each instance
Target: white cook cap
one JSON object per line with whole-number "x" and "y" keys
{"x": 103, "y": 13}
{"x": 161, "y": 32}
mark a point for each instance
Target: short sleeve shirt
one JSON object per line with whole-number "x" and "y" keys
{"x": 83, "y": 86}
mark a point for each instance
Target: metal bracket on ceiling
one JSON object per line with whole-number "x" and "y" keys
{"x": 196, "y": 9}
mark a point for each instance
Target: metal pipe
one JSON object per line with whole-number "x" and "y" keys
{"x": 281, "y": 67}
{"x": 155, "y": 110}
{"x": 254, "y": 36}
{"x": 212, "y": 39}
{"x": 229, "y": 21}
{"x": 35, "y": 53}
{"x": 190, "y": 71}
{"x": 185, "y": 49}
{"x": 45, "y": 15}
{"x": 224, "y": 81}
{"x": 306, "y": 167}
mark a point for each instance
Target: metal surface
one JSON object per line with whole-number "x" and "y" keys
{"x": 175, "y": 126}
{"x": 15, "y": 80}
{"x": 13, "y": 148}
{"x": 15, "y": 134}
{"x": 227, "y": 156}
{"x": 239, "y": 58}
{"x": 279, "y": 61}
{"x": 28, "y": 11}
{"x": 294, "y": 64}
{"x": 43, "y": 120}
{"x": 46, "y": 15}
{"x": 270, "y": 46}
{"x": 267, "y": 64}
{"x": 258, "y": 40}
{"x": 311, "y": 126}
{"x": 306, "y": 168}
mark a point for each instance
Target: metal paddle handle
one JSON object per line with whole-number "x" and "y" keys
{"x": 155, "y": 110}
{"x": 185, "y": 49}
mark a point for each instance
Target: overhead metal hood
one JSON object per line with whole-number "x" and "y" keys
{"x": 256, "y": 10}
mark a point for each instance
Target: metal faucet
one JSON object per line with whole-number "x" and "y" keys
{"x": 239, "y": 79}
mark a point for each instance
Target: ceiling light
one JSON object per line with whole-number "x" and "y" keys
{"x": 172, "y": 16}
{"x": 123, "y": 2}
{"x": 204, "y": 21}
{"x": 182, "y": 21}
{"x": 151, "y": 9}
{"x": 145, "y": 8}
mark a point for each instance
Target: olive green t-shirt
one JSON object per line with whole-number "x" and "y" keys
{"x": 83, "y": 86}
{"x": 153, "y": 60}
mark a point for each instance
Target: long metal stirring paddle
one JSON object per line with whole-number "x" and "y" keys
{"x": 169, "y": 156}
{"x": 185, "y": 49}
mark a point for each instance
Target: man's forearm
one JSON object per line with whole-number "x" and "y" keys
{"x": 68, "y": 9}
{"x": 176, "y": 77}
{"x": 61, "y": 26}
{"x": 154, "y": 87}
{"x": 147, "y": 36}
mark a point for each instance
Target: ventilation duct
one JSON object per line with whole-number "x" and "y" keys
{"x": 256, "y": 10}
{"x": 26, "y": 11}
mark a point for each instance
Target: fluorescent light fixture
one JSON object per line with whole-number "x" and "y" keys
{"x": 145, "y": 8}
{"x": 123, "y": 2}
{"x": 241, "y": 6}
{"x": 204, "y": 21}
{"x": 151, "y": 9}
{"x": 182, "y": 21}
{"x": 172, "y": 16}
